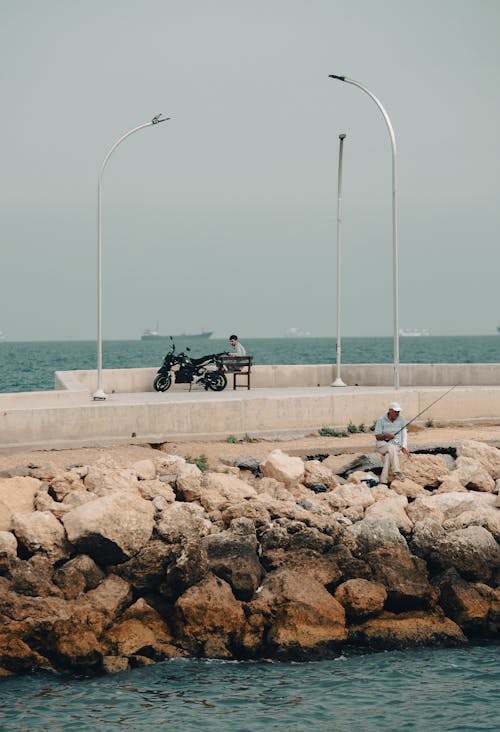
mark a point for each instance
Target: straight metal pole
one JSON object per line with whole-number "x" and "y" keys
{"x": 99, "y": 394}
{"x": 395, "y": 263}
{"x": 338, "y": 381}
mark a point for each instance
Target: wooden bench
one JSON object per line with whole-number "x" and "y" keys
{"x": 239, "y": 366}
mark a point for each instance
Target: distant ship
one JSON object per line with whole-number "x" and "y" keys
{"x": 296, "y": 333}
{"x": 153, "y": 334}
{"x": 498, "y": 328}
{"x": 412, "y": 333}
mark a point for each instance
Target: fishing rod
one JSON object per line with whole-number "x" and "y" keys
{"x": 425, "y": 409}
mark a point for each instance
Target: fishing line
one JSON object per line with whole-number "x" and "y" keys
{"x": 425, "y": 409}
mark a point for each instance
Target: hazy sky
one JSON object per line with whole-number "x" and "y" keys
{"x": 225, "y": 217}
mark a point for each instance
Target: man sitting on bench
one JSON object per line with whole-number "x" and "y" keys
{"x": 238, "y": 349}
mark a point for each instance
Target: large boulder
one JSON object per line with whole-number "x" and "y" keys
{"x": 209, "y": 619}
{"x": 404, "y": 576}
{"x": 282, "y": 467}
{"x": 487, "y": 455}
{"x": 347, "y": 495}
{"x": 405, "y": 630}
{"x": 473, "y": 552}
{"x": 361, "y": 598}
{"x": 304, "y": 620}
{"x": 232, "y": 555}
{"x": 40, "y": 531}
{"x": 316, "y": 473}
{"x": 371, "y": 533}
{"x": 472, "y": 474}
{"x": 442, "y": 506}
{"x": 180, "y": 521}
{"x": 391, "y": 507}
{"x": 16, "y": 495}
{"x": 111, "y": 529}
{"x": 463, "y": 603}
{"x": 104, "y": 479}
{"x": 425, "y": 470}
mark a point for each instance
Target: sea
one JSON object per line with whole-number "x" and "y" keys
{"x": 30, "y": 366}
{"x": 422, "y": 690}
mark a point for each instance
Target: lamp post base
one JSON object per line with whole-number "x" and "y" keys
{"x": 99, "y": 396}
{"x": 338, "y": 382}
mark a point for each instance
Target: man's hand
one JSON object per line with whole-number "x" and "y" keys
{"x": 405, "y": 452}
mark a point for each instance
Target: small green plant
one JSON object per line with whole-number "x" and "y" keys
{"x": 246, "y": 438}
{"x": 429, "y": 423}
{"x": 352, "y": 428}
{"x": 372, "y": 427}
{"x": 330, "y": 432}
{"x": 201, "y": 462}
{"x": 232, "y": 439}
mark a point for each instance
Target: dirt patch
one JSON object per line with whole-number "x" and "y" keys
{"x": 419, "y": 437}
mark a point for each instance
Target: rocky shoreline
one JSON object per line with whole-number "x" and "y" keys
{"x": 111, "y": 565}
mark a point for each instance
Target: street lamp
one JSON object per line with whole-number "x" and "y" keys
{"x": 394, "y": 222}
{"x": 99, "y": 393}
{"x": 338, "y": 381}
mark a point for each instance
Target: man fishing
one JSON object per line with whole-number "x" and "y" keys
{"x": 391, "y": 436}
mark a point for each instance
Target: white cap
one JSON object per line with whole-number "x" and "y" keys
{"x": 395, "y": 406}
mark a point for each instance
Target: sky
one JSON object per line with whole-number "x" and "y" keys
{"x": 225, "y": 217}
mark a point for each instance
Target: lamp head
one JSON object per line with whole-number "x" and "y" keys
{"x": 334, "y": 76}
{"x": 156, "y": 120}
{"x": 342, "y": 136}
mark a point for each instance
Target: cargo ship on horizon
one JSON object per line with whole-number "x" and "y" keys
{"x": 153, "y": 334}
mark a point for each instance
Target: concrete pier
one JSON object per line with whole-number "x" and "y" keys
{"x": 284, "y": 398}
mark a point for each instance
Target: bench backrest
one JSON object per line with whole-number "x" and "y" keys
{"x": 239, "y": 366}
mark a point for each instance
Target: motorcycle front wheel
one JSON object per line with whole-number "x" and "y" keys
{"x": 218, "y": 382}
{"x": 162, "y": 382}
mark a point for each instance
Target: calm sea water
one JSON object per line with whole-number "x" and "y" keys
{"x": 420, "y": 690}
{"x": 28, "y": 366}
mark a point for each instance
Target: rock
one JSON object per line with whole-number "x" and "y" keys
{"x": 408, "y": 488}
{"x": 187, "y": 567}
{"x": 463, "y": 604}
{"x": 425, "y": 470}
{"x": 147, "y": 569}
{"x": 361, "y": 598}
{"x": 144, "y": 469}
{"x": 8, "y": 545}
{"x": 209, "y": 619}
{"x": 180, "y": 521}
{"x": 409, "y": 629}
{"x": 473, "y": 552}
{"x": 371, "y": 533}
{"x": 340, "y": 464}
{"x": 349, "y": 494}
{"x": 487, "y": 455}
{"x": 151, "y": 489}
{"x": 34, "y": 577}
{"x": 244, "y": 462}
{"x": 404, "y": 576}
{"x": 219, "y": 491}
{"x": 111, "y": 529}
{"x": 391, "y": 507}
{"x": 232, "y": 555}
{"x": 282, "y": 467}
{"x": 40, "y": 531}
{"x": 471, "y": 474}
{"x": 103, "y": 479}
{"x": 16, "y": 495}
{"x": 77, "y": 576}
{"x": 188, "y": 481}
{"x": 252, "y": 509}
{"x": 305, "y": 621}
{"x": 316, "y": 473}
{"x": 442, "y": 506}
{"x": 114, "y": 664}
{"x": 17, "y": 657}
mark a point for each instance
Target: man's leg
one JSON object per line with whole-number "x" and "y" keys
{"x": 391, "y": 459}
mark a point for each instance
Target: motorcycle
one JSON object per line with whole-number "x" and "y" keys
{"x": 182, "y": 369}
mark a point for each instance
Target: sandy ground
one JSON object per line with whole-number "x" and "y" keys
{"x": 303, "y": 446}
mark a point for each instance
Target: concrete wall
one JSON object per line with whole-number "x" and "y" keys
{"x": 141, "y": 380}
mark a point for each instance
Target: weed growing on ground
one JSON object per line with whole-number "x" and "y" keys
{"x": 429, "y": 423}
{"x": 201, "y": 462}
{"x": 330, "y": 432}
{"x": 232, "y": 439}
{"x": 352, "y": 428}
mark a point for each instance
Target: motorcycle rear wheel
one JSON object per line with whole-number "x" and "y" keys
{"x": 218, "y": 382}
{"x": 162, "y": 382}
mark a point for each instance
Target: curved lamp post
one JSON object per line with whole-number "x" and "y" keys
{"x": 99, "y": 394}
{"x": 338, "y": 381}
{"x": 394, "y": 221}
